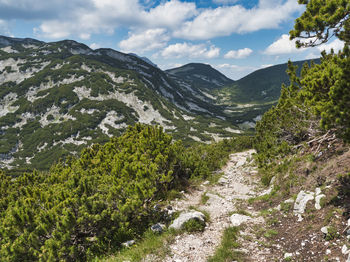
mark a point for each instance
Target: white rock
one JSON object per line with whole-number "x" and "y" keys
{"x": 328, "y": 251}
{"x": 324, "y": 230}
{"x": 222, "y": 181}
{"x": 238, "y": 219}
{"x": 317, "y": 201}
{"x": 287, "y": 255}
{"x": 129, "y": 243}
{"x": 290, "y": 200}
{"x": 300, "y": 203}
{"x": 272, "y": 180}
{"x": 349, "y": 222}
{"x": 184, "y": 217}
{"x": 345, "y": 250}
{"x": 317, "y": 191}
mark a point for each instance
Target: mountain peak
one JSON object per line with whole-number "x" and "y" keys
{"x": 7, "y": 41}
{"x": 202, "y": 75}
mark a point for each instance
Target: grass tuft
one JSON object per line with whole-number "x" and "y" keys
{"x": 226, "y": 250}
{"x": 151, "y": 243}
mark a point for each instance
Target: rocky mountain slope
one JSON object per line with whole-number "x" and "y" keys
{"x": 57, "y": 98}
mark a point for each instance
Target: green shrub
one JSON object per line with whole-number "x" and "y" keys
{"x": 85, "y": 205}
{"x": 194, "y": 225}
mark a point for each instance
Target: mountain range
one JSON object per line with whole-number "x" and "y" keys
{"x": 57, "y": 98}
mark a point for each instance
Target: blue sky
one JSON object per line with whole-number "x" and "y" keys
{"x": 234, "y": 36}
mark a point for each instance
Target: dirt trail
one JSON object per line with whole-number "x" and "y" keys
{"x": 238, "y": 183}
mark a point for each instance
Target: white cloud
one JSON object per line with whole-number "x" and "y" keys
{"x": 238, "y": 54}
{"x": 182, "y": 19}
{"x": 85, "y": 36}
{"x": 226, "y": 20}
{"x": 285, "y": 46}
{"x": 229, "y": 66}
{"x": 266, "y": 65}
{"x": 282, "y": 46}
{"x": 225, "y": 2}
{"x": 234, "y": 71}
{"x": 145, "y": 41}
{"x": 4, "y": 28}
{"x": 336, "y": 45}
{"x": 96, "y": 16}
{"x": 170, "y": 14}
{"x": 83, "y": 18}
{"x": 104, "y": 16}
{"x": 313, "y": 56}
{"x": 53, "y": 29}
{"x": 179, "y": 50}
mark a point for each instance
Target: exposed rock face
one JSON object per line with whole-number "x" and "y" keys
{"x": 303, "y": 198}
{"x": 317, "y": 201}
{"x": 301, "y": 202}
{"x": 185, "y": 217}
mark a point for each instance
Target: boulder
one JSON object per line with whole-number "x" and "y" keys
{"x": 238, "y": 219}
{"x": 157, "y": 228}
{"x": 185, "y": 217}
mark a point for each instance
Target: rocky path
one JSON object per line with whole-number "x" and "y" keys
{"x": 238, "y": 183}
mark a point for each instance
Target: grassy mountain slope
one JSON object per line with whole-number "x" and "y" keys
{"x": 201, "y": 76}
{"x": 261, "y": 86}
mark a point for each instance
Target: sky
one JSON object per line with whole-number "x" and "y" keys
{"x": 234, "y": 36}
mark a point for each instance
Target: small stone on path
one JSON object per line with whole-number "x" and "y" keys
{"x": 238, "y": 219}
